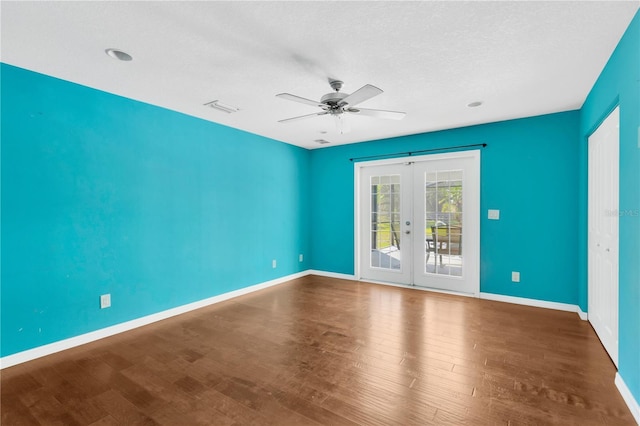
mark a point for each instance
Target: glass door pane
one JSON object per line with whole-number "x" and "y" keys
{"x": 385, "y": 221}
{"x": 443, "y": 222}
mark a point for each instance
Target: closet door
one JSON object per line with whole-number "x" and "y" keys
{"x": 603, "y": 195}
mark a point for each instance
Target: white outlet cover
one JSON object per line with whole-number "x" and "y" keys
{"x": 105, "y": 301}
{"x": 273, "y": 263}
{"x": 515, "y": 277}
{"x": 301, "y": 258}
{"x": 494, "y": 214}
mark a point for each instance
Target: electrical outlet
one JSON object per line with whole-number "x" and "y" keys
{"x": 494, "y": 214}
{"x": 300, "y": 258}
{"x": 274, "y": 263}
{"x": 515, "y": 276}
{"x": 105, "y": 301}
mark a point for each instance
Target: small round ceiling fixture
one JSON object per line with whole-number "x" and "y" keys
{"x": 118, "y": 54}
{"x": 474, "y": 104}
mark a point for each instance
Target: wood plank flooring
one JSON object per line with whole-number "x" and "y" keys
{"x": 321, "y": 351}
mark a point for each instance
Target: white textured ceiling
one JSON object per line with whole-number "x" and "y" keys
{"x": 521, "y": 58}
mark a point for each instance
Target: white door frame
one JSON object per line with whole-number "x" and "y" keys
{"x": 475, "y": 154}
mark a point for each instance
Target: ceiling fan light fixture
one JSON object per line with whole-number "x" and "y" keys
{"x": 222, "y": 107}
{"x": 118, "y": 54}
{"x": 342, "y": 125}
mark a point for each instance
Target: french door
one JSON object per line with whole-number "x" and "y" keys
{"x": 418, "y": 221}
{"x": 604, "y": 217}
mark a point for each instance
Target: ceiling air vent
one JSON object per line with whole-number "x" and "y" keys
{"x": 222, "y": 107}
{"x": 321, "y": 141}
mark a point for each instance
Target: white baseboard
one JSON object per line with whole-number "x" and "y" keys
{"x": 583, "y": 315}
{"x": 331, "y": 275}
{"x": 533, "y": 302}
{"x": 489, "y": 296}
{"x": 61, "y": 345}
{"x": 628, "y": 397}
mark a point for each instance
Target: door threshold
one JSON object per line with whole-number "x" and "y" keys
{"x": 416, "y": 287}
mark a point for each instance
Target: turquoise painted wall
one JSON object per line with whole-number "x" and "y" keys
{"x": 529, "y": 171}
{"x": 619, "y": 84}
{"x": 103, "y": 194}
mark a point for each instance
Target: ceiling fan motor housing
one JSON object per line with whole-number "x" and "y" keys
{"x": 332, "y": 100}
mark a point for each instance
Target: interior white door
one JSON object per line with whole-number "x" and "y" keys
{"x": 418, "y": 221}
{"x": 603, "y": 237}
{"x": 447, "y": 214}
{"x": 385, "y": 223}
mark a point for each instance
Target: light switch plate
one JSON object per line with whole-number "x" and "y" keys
{"x": 494, "y": 214}
{"x": 515, "y": 276}
{"x": 105, "y": 301}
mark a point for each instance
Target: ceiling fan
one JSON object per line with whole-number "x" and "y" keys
{"x": 338, "y": 103}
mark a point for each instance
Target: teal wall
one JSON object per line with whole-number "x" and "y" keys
{"x": 529, "y": 171}
{"x": 619, "y": 84}
{"x": 103, "y": 194}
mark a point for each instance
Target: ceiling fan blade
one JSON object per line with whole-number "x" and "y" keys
{"x": 295, "y": 98}
{"x": 378, "y": 113}
{"x": 362, "y": 94}
{"x": 302, "y": 117}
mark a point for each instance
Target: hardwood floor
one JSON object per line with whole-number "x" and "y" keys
{"x": 326, "y": 351}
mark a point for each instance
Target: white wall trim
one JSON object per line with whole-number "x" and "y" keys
{"x": 583, "y": 315}
{"x": 489, "y": 296}
{"x": 628, "y": 397}
{"x": 331, "y": 275}
{"x": 51, "y": 348}
{"x": 532, "y": 302}
{"x": 61, "y": 345}
{"x": 41, "y": 351}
